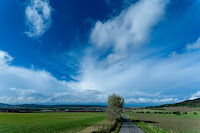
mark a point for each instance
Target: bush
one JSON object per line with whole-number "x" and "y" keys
{"x": 185, "y": 113}
{"x": 177, "y": 112}
{"x": 195, "y": 113}
{"x": 167, "y": 112}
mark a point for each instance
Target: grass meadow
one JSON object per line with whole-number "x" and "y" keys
{"x": 59, "y": 122}
{"x": 164, "y": 123}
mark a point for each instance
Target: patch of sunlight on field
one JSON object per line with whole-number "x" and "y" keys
{"x": 171, "y": 122}
{"x": 48, "y": 122}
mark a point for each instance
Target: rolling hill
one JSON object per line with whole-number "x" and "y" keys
{"x": 187, "y": 103}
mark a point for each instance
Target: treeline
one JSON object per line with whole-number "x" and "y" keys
{"x": 39, "y": 106}
{"x": 51, "y": 108}
{"x": 71, "y": 109}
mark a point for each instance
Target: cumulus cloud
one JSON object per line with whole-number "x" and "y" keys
{"x": 128, "y": 30}
{"x": 194, "y": 46}
{"x": 195, "y": 96}
{"x": 38, "y": 17}
{"x": 22, "y": 85}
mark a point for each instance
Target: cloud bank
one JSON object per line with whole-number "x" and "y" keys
{"x": 142, "y": 82}
{"x": 38, "y": 17}
{"x": 23, "y": 85}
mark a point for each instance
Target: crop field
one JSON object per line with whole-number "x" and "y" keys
{"x": 182, "y": 109}
{"x": 189, "y": 122}
{"x": 48, "y": 122}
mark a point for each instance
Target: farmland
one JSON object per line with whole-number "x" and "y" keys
{"x": 165, "y": 119}
{"x": 49, "y": 122}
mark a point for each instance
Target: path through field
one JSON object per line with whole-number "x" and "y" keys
{"x": 129, "y": 127}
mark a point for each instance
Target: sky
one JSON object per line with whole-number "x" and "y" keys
{"x": 79, "y": 52}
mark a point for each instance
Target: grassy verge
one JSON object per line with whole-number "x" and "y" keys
{"x": 117, "y": 128}
{"x": 147, "y": 127}
{"x": 106, "y": 127}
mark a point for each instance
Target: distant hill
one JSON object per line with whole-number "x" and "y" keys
{"x": 2, "y": 104}
{"x": 39, "y": 106}
{"x": 56, "y": 106}
{"x": 187, "y": 103}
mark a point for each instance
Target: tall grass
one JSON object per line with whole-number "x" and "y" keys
{"x": 106, "y": 127}
{"x": 147, "y": 127}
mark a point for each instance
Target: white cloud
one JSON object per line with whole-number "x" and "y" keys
{"x": 130, "y": 72}
{"x": 141, "y": 72}
{"x": 138, "y": 75}
{"x": 128, "y": 30}
{"x": 4, "y": 58}
{"x": 149, "y": 100}
{"x": 143, "y": 81}
{"x": 38, "y": 17}
{"x": 22, "y": 85}
{"x": 152, "y": 74}
{"x": 195, "y": 96}
{"x": 194, "y": 46}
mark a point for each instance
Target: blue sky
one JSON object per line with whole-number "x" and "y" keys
{"x": 79, "y": 52}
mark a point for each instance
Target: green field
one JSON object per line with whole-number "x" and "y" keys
{"x": 60, "y": 122}
{"x": 169, "y": 122}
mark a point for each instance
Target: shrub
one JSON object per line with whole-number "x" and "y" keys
{"x": 185, "y": 113}
{"x": 177, "y": 112}
{"x": 195, "y": 113}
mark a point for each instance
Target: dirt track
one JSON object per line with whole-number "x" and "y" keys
{"x": 129, "y": 127}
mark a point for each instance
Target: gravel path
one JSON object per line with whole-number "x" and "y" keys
{"x": 129, "y": 127}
